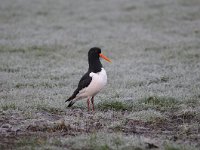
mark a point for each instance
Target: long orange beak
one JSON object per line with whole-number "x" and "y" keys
{"x": 104, "y": 57}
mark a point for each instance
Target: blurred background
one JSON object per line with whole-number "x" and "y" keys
{"x": 154, "y": 46}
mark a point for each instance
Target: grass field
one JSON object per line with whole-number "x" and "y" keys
{"x": 152, "y": 99}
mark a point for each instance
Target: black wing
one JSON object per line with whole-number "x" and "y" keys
{"x": 84, "y": 82}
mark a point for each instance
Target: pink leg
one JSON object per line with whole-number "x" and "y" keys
{"x": 88, "y": 104}
{"x": 92, "y": 100}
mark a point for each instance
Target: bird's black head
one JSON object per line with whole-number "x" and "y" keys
{"x": 93, "y": 58}
{"x": 94, "y": 52}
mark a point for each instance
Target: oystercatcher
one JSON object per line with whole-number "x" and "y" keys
{"x": 92, "y": 81}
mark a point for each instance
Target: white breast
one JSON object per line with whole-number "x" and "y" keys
{"x": 99, "y": 80}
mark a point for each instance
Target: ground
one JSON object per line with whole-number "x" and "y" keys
{"x": 152, "y": 99}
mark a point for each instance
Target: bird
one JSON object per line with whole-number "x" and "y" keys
{"x": 92, "y": 81}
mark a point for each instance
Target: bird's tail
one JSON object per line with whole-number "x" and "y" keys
{"x": 71, "y": 103}
{"x": 69, "y": 99}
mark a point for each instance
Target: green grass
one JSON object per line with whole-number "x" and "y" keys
{"x": 42, "y": 84}
{"x": 8, "y": 106}
{"x": 153, "y": 102}
{"x": 113, "y": 105}
{"x": 9, "y": 69}
{"x": 31, "y": 143}
{"x": 192, "y": 102}
{"x": 170, "y": 146}
{"x": 97, "y": 141}
{"x": 103, "y": 141}
{"x": 47, "y": 108}
{"x": 57, "y": 142}
{"x": 35, "y": 48}
{"x": 161, "y": 102}
{"x": 147, "y": 116}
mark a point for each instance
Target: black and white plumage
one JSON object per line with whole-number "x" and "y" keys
{"x": 92, "y": 81}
